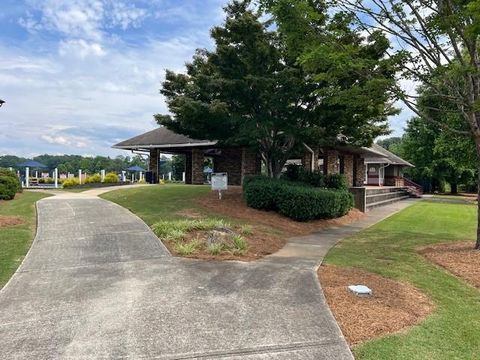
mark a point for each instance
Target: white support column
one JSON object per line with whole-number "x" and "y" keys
{"x": 102, "y": 174}
{"x": 55, "y": 176}
{"x": 123, "y": 176}
{"x": 27, "y": 175}
{"x": 133, "y": 177}
{"x": 183, "y": 176}
{"x": 80, "y": 176}
{"x": 170, "y": 176}
{"x": 141, "y": 176}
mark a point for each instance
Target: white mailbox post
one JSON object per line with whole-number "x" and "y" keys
{"x": 219, "y": 183}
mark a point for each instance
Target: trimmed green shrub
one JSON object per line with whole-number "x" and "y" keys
{"x": 13, "y": 175}
{"x": 296, "y": 201}
{"x": 313, "y": 178}
{"x": 336, "y": 181}
{"x": 303, "y": 204}
{"x": 111, "y": 178}
{"x": 70, "y": 182}
{"x": 260, "y": 192}
{"x": 93, "y": 179}
{"x": 8, "y": 187}
{"x": 293, "y": 172}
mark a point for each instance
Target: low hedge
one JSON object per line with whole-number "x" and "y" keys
{"x": 70, "y": 182}
{"x": 8, "y": 187}
{"x": 93, "y": 179}
{"x": 9, "y": 184}
{"x": 303, "y": 203}
{"x": 111, "y": 178}
{"x": 260, "y": 192}
{"x": 298, "y": 202}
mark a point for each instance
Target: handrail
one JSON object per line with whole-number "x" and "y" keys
{"x": 411, "y": 184}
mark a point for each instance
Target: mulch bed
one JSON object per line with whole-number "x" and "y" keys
{"x": 459, "y": 258}
{"x": 393, "y": 306}
{"x": 233, "y": 205}
{"x": 260, "y": 243}
{"x": 10, "y": 221}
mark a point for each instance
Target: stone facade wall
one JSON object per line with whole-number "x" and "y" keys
{"x": 153, "y": 164}
{"x": 332, "y": 162}
{"x": 348, "y": 168}
{"x": 197, "y": 166}
{"x": 359, "y": 171}
{"x": 307, "y": 159}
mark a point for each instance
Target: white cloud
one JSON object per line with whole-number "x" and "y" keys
{"x": 80, "y": 48}
{"x": 65, "y": 140}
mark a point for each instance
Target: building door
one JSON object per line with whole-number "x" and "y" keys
{"x": 381, "y": 175}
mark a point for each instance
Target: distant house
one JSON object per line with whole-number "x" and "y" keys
{"x": 362, "y": 166}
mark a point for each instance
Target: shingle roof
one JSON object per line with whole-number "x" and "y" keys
{"x": 388, "y": 157}
{"x": 160, "y": 138}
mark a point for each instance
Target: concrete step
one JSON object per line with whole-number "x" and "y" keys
{"x": 374, "y": 198}
{"x": 384, "y": 190}
{"x": 387, "y": 201}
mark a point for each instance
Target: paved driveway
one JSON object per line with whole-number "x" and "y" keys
{"x": 98, "y": 284}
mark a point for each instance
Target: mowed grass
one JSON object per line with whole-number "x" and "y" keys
{"x": 388, "y": 248}
{"x": 16, "y": 240}
{"x": 159, "y": 202}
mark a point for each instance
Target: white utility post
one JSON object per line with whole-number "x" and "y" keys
{"x": 27, "y": 175}
{"x": 183, "y": 176}
{"x": 55, "y": 176}
{"x": 80, "y": 176}
{"x": 102, "y": 174}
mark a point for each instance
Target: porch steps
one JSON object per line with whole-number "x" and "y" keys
{"x": 384, "y": 196}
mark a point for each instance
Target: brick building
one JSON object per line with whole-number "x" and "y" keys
{"x": 357, "y": 163}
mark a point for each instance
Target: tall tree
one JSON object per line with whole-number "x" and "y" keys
{"x": 438, "y": 39}
{"x": 252, "y": 90}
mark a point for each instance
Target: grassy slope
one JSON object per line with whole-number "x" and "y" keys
{"x": 16, "y": 240}
{"x": 388, "y": 249}
{"x": 154, "y": 203}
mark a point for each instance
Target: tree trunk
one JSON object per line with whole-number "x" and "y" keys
{"x": 477, "y": 145}
{"x": 454, "y": 188}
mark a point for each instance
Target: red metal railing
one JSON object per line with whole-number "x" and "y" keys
{"x": 413, "y": 186}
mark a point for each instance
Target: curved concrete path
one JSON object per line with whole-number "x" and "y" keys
{"x": 98, "y": 284}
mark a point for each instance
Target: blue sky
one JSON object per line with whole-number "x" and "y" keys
{"x": 81, "y": 75}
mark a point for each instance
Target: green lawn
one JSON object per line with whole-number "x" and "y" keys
{"x": 16, "y": 240}
{"x": 452, "y": 331}
{"x": 160, "y": 202}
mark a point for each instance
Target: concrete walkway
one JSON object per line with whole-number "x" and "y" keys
{"x": 309, "y": 250}
{"x": 98, "y": 284}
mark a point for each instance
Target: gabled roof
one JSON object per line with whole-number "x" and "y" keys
{"x": 386, "y": 158}
{"x": 161, "y": 138}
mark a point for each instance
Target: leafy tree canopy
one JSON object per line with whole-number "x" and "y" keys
{"x": 272, "y": 86}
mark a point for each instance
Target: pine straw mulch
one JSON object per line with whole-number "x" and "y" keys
{"x": 234, "y": 206}
{"x": 460, "y": 258}
{"x": 10, "y": 221}
{"x": 393, "y": 306}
